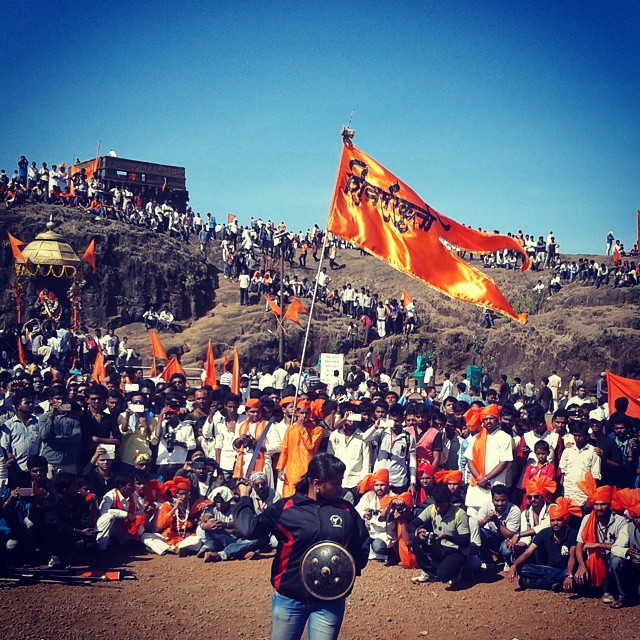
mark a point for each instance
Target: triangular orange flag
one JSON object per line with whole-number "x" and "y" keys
{"x": 157, "y": 350}
{"x": 15, "y": 248}
{"x": 173, "y": 366}
{"x": 153, "y": 372}
{"x": 293, "y": 310}
{"x": 372, "y": 208}
{"x": 210, "y": 368}
{"x": 90, "y": 255}
{"x": 53, "y": 373}
{"x": 273, "y": 306}
{"x": 235, "y": 374}
{"x": 225, "y": 362}
{"x": 21, "y": 357}
{"x": 617, "y": 258}
{"x": 406, "y": 300}
{"x": 99, "y": 373}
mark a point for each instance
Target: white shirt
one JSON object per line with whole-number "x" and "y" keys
{"x": 108, "y": 504}
{"x": 446, "y": 391}
{"x": 279, "y": 378}
{"x": 499, "y": 449}
{"x": 526, "y": 523}
{"x": 354, "y": 452}
{"x": 574, "y": 464}
{"x": 184, "y": 433}
{"x": 243, "y": 280}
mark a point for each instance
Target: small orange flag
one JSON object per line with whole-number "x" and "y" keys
{"x": 15, "y": 248}
{"x": 164, "y": 184}
{"x": 617, "y": 258}
{"x": 406, "y": 300}
{"x": 210, "y": 368}
{"x": 235, "y": 374}
{"x": 293, "y": 310}
{"x": 21, "y": 357}
{"x": 173, "y": 366}
{"x": 99, "y": 373}
{"x": 374, "y": 209}
{"x": 53, "y": 373}
{"x": 273, "y": 306}
{"x": 90, "y": 255}
{"x": 231, "y": 218}
{"x": 157, "y": 350}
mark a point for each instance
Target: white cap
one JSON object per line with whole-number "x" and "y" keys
{"x": 597, "y": 414}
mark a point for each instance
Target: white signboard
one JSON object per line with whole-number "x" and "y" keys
{"x": 330, "y": 362}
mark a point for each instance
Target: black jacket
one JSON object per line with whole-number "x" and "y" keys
{"x": 298, "y": 523}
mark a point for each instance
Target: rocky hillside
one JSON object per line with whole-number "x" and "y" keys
{"x": 136, "y": 268}
{"x": 579, "y": 329}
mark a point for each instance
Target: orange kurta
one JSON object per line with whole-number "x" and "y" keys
{"x": 299, "y": 445}
{"x": 168, "y": 526}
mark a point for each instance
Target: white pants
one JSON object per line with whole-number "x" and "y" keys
{"x": 156, "y": 543}
{"x": 105, "y": 531}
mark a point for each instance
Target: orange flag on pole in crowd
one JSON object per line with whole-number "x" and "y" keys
{"x": 231, "y": 218}
{"x": 99, "y": 373}
{"x": 619, "y": 387}
{"x": 293, "y": 310}
{"x": 54, "y": 377}
{"x": 273, "y": 306}
{"x": 164, "y": 184}
{"x": 90, "y": 255}
{"x": 173, "y": 366}
{"x": 374, "y": 209}
{"x": 157, "y": 350}
{"x": 617, "y": 258}
{"x": 15, "y": 248}
{"x": 21, "y": 358}
{"x": 210, "y": 368}
{"x": 235, "y": 373}
{"x": 406, "y": 300}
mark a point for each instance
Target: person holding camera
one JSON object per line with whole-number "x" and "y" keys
{"x": 441, "y": 538}
{"x": 175, "y": 438}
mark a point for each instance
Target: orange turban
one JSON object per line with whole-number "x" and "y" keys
{"x": 445, "y": 477}
{"x": 406, "y": 497}
{"x": 380, "y": 475}
{"x": 540, "y": 486}
{"x": 179, "y": 483}
{"x": 425, "y": 469}
{"x": 564, "y": 508}
{"x": 317, "y": 407}
{"x": 594, "y": 493}
{"x": 287, "y": 400}
{"x": 626, "y": 500}
{"x": 253, "y": 403}
{"x": 303, "y": 404}
{"x": 475, "y": 415}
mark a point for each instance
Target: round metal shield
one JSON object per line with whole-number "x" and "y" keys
{"x": 327, "y": 571}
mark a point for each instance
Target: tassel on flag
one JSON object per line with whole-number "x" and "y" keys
{"x": 235, "y": 374}
{"x": 210, "y": 369}
{"x": 15, "y": 248}
{"x": 90, "y": 255}
{"x": 374, "y": 209}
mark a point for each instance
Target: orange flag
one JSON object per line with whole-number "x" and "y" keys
{"x": 375, "y": 210}
{"x": 173, "y": 366}
{"x": 54, "y": 377}
{"x": 273, "y": 306}
{"x": 225, "y": 362}
{"x": 15, "y": 248}
{"x": 231, "y": 217}
{"x": 90, "y": 255}
{"x": 235, "y": 374}
{"x": 617, "y": 258}
{"x": 619, "y": 387}
{"x": 21, "y": 358}
{"x": 210, "y": 368}
{"x": 406, "y": 300}
{"x": 293, "y": 310}
{"x": 164, "y": 184}
{"x": 99, "y": 372}
{"x": 157, "y": 350}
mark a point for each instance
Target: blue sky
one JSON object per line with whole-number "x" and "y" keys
{"x": 502, "y": 115}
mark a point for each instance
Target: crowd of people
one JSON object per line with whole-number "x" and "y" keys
{"x": 467, "y": 480}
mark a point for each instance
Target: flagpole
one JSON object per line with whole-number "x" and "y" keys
{"x": 346, "y": 134}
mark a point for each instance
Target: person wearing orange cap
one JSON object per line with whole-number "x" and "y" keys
{"x": 248, "y": 434}
{"x": 374, "y": 489}
{"x": 553, "y": 550}
{"x": 625, "y": 552}
{"x": 426, "y": 484}
{"x": 598, "y": 531}
{"x": 452, "y": 479}
{"x": 301, "y": 443}
{"x": 489, "y": 454}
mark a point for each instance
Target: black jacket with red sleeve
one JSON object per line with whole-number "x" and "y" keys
{"x": 298, "y": 523}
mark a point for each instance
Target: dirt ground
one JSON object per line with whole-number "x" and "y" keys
{"x": 182, "y": 597}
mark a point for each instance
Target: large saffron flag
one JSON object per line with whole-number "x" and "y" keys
{"x": 235, "y": 373}
{"x": 157, "y": 350}
{"x": 210, "y": 368}
{"x": 293, "y": 310}
{"x": 173, "y": 366}
{"x": 619, "y": 387}
{"x": 374, "y": 209}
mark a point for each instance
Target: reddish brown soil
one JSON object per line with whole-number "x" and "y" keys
{"x": 184, "y": 598}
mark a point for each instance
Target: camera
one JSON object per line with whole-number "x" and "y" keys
{"x": 170, "y": 439}
{"x": 249, "y": 442}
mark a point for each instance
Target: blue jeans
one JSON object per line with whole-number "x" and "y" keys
{"x": 230, "y": 548}
{"x": 288, "y": 618}
{"x": 494, "y": 543}
{"x": 542, "y": 576}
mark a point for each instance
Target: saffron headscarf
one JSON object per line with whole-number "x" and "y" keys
{"x": 380, "y": 475}
{"x": 445, "y": 477}
{"x": 541, "y": 486}
{"x": 177, "y": 484}
{"x": 564, "y": 508}
{"x": 594, "y": 493}
{"x": 474, "y": 418}
{"x": 626, "y": 500}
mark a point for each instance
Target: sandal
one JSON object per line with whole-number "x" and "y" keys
{"x": 618, "y": 604}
